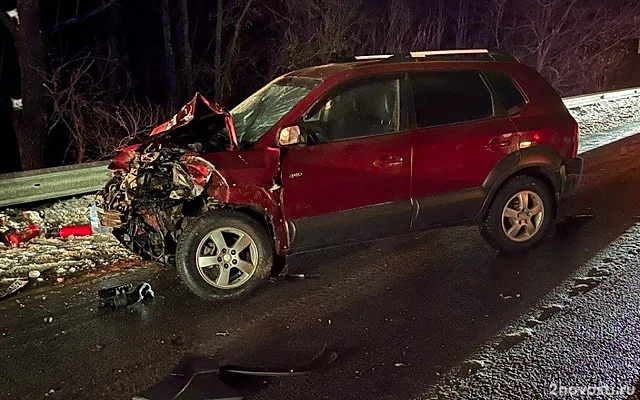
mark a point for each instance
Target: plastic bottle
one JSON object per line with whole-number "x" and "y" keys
{"x": 96, "y": 226}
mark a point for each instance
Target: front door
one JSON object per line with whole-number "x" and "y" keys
{"x": 352, "y": 180}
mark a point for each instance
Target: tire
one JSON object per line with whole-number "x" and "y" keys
{"x": 502, "y": 226}
{"x": 224, "y": 279}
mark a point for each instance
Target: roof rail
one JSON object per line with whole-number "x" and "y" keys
{"x": 483, "y": 54}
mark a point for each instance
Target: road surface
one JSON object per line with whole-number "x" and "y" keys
{"x": 402, "y": 313}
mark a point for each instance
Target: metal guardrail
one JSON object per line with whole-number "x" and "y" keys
{"x": 588, "y": 99}
{"x": 53, "y": 183}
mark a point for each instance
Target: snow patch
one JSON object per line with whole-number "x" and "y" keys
{"x": 606, "y": 122}
{"x": 57, "y": 255}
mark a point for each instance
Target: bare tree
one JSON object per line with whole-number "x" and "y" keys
{"x": 231, "y": 18}
{"x": 217, "y": 82}
{"x": 182, "y": 50}
{"x": 463, "y": 21}
{"x": 29, "y": 110}
{"x": 318, "y": 31}
{"x": 97, "y": 128}
{"x": 406, "y": 28}
{"x": 577, "y": 44}
{"x": 494, "y": 19}
{"x": 169, "y": 60}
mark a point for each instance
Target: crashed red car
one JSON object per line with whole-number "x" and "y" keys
{"x": 342, "y": 153}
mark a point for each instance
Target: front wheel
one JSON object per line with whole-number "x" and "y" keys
{"x": 224, "y": 254}
{"x": 519, "y": 216}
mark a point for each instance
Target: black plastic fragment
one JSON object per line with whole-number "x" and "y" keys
{"x": 124, "y": 295}
{"x": 199, "y": 378}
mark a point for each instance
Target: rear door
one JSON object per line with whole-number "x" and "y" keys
{"x": 461, "y": 133}
{"x": 352, "y": 181}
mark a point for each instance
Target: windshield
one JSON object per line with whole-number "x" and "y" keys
{"x": 254, "y": 116}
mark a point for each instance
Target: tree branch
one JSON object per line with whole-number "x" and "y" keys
{"x": 82, "y": 17}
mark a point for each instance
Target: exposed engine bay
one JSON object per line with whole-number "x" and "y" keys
{"x": 159, "y": 184}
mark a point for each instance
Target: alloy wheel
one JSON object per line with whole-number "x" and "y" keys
{"x": 227, "y": 258}
{"x": 522, "y": 216}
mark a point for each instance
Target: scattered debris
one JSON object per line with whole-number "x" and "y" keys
{"x": 105, "y": 293}
{"x": 13, "y": 288}
{"x": 44, "y": 254}
{"x": 124, "y": 295}
{"x": 303, "y": 276}
{"x": 15, "y": 238}
{"x": 199, "y": 377}
{"x": 506, "y": 297}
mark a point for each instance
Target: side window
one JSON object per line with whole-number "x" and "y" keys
{"x": 448, "y": 97}
{"x": 510, "y": 96}
{"x": 367, "y": 109}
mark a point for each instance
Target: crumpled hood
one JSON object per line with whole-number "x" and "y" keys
{"x": 198, "y": 106}
{"x": 172, "y": 132}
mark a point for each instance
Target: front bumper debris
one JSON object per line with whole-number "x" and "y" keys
{"x": 146, "y": 202}
{"x": 199, "y": 377}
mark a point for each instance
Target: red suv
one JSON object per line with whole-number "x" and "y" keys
{"x": 346, "y": 152}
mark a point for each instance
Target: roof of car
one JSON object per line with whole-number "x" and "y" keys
{"x": 328, "y": 70}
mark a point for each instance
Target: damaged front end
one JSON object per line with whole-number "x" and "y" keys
{"x": 159, "y": 184}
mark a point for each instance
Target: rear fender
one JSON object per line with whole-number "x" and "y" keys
{"x": 539, "y": 160}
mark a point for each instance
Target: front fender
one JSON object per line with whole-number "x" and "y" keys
{"x": 258, "y": 199}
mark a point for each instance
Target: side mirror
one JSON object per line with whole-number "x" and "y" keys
{"x": 290, "y": 135}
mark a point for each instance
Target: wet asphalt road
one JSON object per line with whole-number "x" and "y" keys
{"x": 426, "y": 302}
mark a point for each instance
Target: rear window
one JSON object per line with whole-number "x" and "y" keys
{"x": 448, "y": 97}
{"x": 510, "y": 96}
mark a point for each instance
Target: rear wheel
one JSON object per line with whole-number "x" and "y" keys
{"x": 519, "y": 216}
{"x": 223, "y": 255}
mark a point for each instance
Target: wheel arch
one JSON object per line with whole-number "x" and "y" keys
{"x": 258, "y": 203}
{"x": 542, "y": 163}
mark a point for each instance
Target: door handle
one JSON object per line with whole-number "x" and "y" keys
{"x": 388, "y": 161}
{"x": 498, "y": 143}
